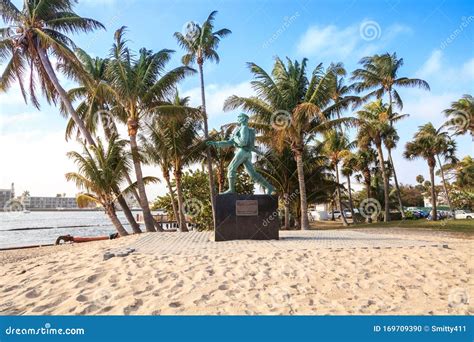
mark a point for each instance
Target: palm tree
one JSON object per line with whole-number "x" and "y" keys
{"x": 200, "y": 44}
{"x": 340, "y": 91}
{"x": 302, "y": 104}
{"x": 373, "y": 127}
{"x": 221, "y": 157}
{"x": 176, "y": 129}
{"x": 347, "y": 170}
{"x": 34, "y": 33}
{"x": 101, "y": 170}
{"x": 450, "y": 157}
{"x": 361, "y": 162}
{"x": 381, "y": 72}
{"x": 94, "y": 111}
{"x": 390, "y": 141}
{"x": 93, "y": 96}
{"x": 139, "y": 85}
{"x": 379, "y": 75}
{"x": 428, "y": 143}
{"x": 461, "y": 115}
{"x": 156, "y": 152}
{"x": 279, "y": 166}
{"x": 337, "y": 147}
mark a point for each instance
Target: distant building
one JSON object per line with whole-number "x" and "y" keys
{"x": 50, "y": 202}
{"x": 6, "y": 195}
{"x": 441, "y": 200}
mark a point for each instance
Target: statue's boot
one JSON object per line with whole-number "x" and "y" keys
{"x": 231, "y": 189}
{"x": 269, "y": 189}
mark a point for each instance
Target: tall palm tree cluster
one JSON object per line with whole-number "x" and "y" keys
{"x": 302, "y": 116}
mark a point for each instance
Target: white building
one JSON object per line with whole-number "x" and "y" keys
{"x": 6, "y": 195}
{"x": 50, "y": 203}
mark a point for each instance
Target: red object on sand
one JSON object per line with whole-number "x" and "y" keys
{"x": 70, "y": 238}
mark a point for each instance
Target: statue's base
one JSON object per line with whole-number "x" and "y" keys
{"x": 247, "y": 217}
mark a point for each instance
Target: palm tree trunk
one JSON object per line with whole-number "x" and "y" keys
{"x": 63, "y": 95}
{"x": 397, "y": 187}
{"x": 286, "y": 198}
{"x": 302, "y": 186}
{"x": 182, "y": 218}
{"x": 208, "y": 149}
{"x": 166, "y": 176}
{"x": 433, "y": 192}
{"x": 108, "y": 134}
{"x": 385, "y": 182}
{"x": 220, "y": 177}
{"x": 339, "y": 198}
{"x": 115, "y": 221}
{"x": 147, "y": 217}
{"x": 367, "y": 190}
{"x": 128, "y": 214}
{"x": 445, "y": 187}
{"x": 351, "y": 203}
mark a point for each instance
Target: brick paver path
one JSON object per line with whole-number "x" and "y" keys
{"x": 193, "y": 243}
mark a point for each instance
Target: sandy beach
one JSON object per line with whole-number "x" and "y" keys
{"x": 396, "y": 273}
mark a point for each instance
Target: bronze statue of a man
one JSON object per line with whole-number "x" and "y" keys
{"x": 243, "y": 139}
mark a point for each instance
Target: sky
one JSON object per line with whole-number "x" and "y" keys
{"x": 434, "y": 38}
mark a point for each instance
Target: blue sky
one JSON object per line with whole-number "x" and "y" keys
{"x": 435, "y": 39}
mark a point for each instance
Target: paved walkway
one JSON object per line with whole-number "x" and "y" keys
{"x": 202, "y": 242}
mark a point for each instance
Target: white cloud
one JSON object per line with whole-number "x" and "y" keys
{"x": 15, "y": 119}
{"x": 438, "y": 69}
{"x": 360, "y": 39}
{"x": 12, "y": 97}
{"x": 216, "y": 94}
{"x": 431, "y": 66}
{"x": 37, "y": 162}
{"x": 468, "y": 69}
{"x": 423, "y": 105}
{"x": 328, "y": 40}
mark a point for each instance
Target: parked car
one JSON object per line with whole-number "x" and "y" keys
{"x": 337, "y": 214}
{"x": 419, "y": 214}
{"x": 463, "y": 214}
{"x": 347, "y": 213}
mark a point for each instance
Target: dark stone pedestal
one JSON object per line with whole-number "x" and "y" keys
{"x": 247, "y": 217}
